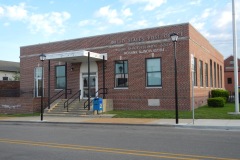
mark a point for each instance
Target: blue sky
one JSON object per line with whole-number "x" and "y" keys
{"x": 27, "y": 22}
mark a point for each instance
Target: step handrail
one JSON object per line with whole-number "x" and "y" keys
{"x": 105, "y": 91}
{"x": 56, "y": 96}
{"x": 67, "y": 103}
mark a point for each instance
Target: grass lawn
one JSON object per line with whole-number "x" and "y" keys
{"x": 203, "y": 112}
{"x": 20, "y": 115}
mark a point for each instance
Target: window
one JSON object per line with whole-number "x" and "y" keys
{"x": 220, "y": 76}
{"x": 121, "y": 74}
{"x": 60, "y": 79}
{"x": 201, "y": 72}
{"x": 153, "y": 72}
{"x": 215, "y": 75}
{"x": 195, "y": 71}
{"x": 218, "y": 80}
{"x": 211, "y": 74}
{"x": 206, "y": 74}
{"x": 38, "y": 88}
{"x": 5, "y": 78}
{"x": 229, "y": 80}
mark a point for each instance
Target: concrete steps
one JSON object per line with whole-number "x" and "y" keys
{"x": 76, "y": 108}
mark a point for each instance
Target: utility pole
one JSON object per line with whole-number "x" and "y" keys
{"x": 235, "y": 58}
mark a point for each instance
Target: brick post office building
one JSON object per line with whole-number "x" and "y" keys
{"x": 135, "y": 67}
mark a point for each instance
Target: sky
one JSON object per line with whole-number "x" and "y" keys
{"x": 28, "y": 22}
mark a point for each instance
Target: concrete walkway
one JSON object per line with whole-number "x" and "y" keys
{"x": 107, "y": 119}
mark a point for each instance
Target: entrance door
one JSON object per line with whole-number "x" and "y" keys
{"x": 92, "y": 82}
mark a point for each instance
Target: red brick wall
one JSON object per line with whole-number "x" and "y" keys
{"x": 137, "y": 94}
{"x": 11, "y": 105}
{"x": 202, "y": 50}
{"x": 9, "y": 85}
{"x": 9, "y": 88}
{"x": 229, "y": 73}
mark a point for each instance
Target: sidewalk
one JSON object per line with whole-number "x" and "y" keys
{"x": 107, "y": 119}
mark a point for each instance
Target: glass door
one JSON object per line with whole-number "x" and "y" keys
{"x": 92, "y": 85}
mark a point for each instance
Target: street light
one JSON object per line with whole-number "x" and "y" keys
{"x": 174, "y": 38}
{"x": 42, "y": 58}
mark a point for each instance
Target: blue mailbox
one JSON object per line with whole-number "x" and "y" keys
{"x": 97, "y": 104}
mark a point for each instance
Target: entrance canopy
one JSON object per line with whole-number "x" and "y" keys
{"x": 76, "y": 56}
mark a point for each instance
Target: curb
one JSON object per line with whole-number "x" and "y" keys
{"x": 187, "y": 126}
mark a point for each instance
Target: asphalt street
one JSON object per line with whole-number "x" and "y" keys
{"x": 43, "y": 141}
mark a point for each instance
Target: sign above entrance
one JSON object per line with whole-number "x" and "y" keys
{"x": 76, "y": 56}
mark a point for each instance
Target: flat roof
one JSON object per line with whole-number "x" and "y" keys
{"x": 76, "y": 56}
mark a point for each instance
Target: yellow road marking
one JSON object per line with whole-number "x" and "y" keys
{"x": 114, "y": 150}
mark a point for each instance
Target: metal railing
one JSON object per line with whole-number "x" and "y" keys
{"x": 70, "y": 100}
{"x": 59, "y": 94}
{"x": 105, "y": 91}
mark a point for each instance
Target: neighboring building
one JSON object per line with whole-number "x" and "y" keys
{"x": 9, "y": 71}
{"x": 229, "y": 73}
{"x": 136, "y": 67}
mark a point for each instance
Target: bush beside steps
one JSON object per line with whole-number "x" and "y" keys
{"x": 216, "y": 102}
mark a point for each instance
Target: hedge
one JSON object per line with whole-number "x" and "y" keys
{"x": 216, "y": 102}
{"x": 220, "y": 93}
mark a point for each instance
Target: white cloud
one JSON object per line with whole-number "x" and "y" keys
{"x": 206, "y": 13}
{"x": 152, "y": 4}
{"x": 83, "y": 23}
{"x": 161, "y": 23}
{"x": 195, "y": 2}
{"x": 110, "y": 14}
{"x": 199, "y": 21}
{"x": 86, "y": 23}
{"x": 149, "y": 5}
{"x": 127, "y": 12}
{"x": 199, "y": 25}
{"x": 218, "y": 36}
{"x": 225, "y": 16}
{"x": 142, "y": 23}
{"x": 49, "y": 23}
{"x": 16, "y": 12}
{"x": 166, "y": 12}
{"x": 1, "y": 11}
{"x": 224, "y": 20}
{"x": 6, "y": 24}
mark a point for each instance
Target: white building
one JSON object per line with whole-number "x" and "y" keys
{"x": 9, "y": 71}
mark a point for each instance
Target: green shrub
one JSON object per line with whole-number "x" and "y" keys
{"x": 220, "y": 93}
{"x": 216, "y": 102}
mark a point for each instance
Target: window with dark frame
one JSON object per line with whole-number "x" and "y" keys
{"x": 153, "y": 72}
{"x": 218, "y": 79}
{"x": 5, "y": 78}
{"x": 211, "y": 74}
{"x": 215, "y": 75}
{"x": 229, "y": 80}
{"x": 206, "y": 74}
{"x": 195, "y": 71}
{"x": 201, "y": 72}
{"x": 220, "y": 76}
{"x": 121, "y": 73}
{"x": 60, "y": 77}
